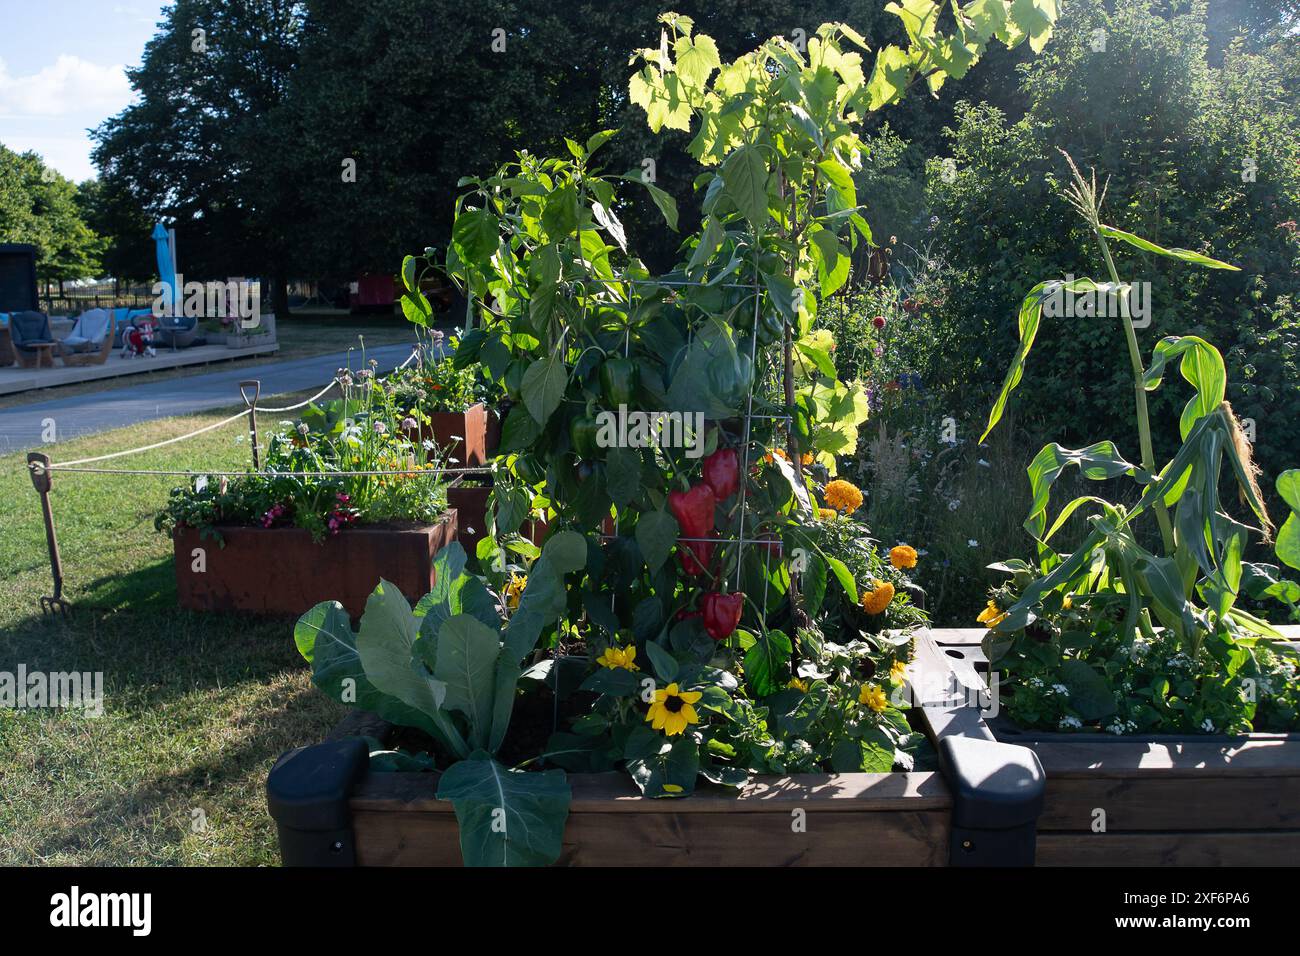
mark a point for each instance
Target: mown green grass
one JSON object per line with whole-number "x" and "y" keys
{"x": 197, "y": 706}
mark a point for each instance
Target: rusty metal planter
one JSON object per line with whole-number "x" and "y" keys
{"x": 465, "y": 432}
{"x": 283, "y": 571}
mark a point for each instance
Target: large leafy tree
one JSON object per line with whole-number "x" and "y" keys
{"x": 196, "y": 147}
{"x": 41, "y": 207}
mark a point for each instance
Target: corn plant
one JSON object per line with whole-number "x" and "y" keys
{"x": 1191, "y": 585}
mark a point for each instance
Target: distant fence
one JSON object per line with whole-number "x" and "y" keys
{"x": 75, "y": 304}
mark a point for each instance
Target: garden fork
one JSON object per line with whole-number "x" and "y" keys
{"x": 39, "y": 467}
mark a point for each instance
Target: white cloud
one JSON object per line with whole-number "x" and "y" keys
{"x": 69, "y": 85}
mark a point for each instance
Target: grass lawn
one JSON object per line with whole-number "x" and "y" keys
{"x": 197, "y": 706}
{"x": 300, "y": 336}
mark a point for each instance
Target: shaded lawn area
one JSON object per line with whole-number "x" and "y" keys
{"x": 197, "y": 706}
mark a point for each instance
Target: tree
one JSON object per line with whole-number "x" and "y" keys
{"x": 196, "y": 148}
{"x": 41, "y": 207}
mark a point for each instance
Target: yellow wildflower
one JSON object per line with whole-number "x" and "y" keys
{"x": 873, "y": 697}
{"x": 514, "y": 589}
{"x": 898, "y": 671}
{"x": 902, "y": 556}
{"x": 798, "y": 684}
{"x": 843, "y": 496}
{"x": 991, "y": 616}
{"x": 615, "y": 657}
{"x": 672, "y": 710}
{"x": 877, "y": 599}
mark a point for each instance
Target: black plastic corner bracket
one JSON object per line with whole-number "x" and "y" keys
{"x": 307, "y": 794}
{"x": 997, "y": 795}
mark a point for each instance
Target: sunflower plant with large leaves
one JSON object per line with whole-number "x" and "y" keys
{"x": 1072, "y": 618}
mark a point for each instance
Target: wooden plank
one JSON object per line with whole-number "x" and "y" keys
{"x": 1253, "y": 756}
{"x": 831, "y": 838}
{"x": 1149, "y": 803}
{"x": 615, "y": 793}
{"x": 1252, "y": 848}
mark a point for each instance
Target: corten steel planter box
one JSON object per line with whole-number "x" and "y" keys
{"x": 465, "y": 433}
{"x": 331, "y": 810}
{"x": 470, "y": 502}
{"x": 1150, "y": 800}
{"x": 283, "y": 571}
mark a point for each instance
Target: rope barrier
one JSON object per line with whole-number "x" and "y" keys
{"x": 67, "y": 466}
{"x": 473, "y": 470}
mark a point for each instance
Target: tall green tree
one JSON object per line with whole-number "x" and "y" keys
{"x": 196, "y": 149}
{"x": 41, "y": 207}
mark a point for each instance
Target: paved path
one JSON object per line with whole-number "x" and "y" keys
{"x": 21, "y": 427}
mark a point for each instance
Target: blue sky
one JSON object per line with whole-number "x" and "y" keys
{"x": 61, "y": 71}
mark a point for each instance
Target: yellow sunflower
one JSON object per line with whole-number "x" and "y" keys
{"x": 616, "y": 657}
{"x": 873, "y": 697}
{"x": 843, "y": 496}
{"x": 877, "y": 599}
{"x": 991, "y": 616}
{"x": 902, "y": 556}
{"x": 798, "y": 684}
{"x": 514, "y": 589}
{"x": 898, "y": 671}
{"x": 672, "y": 711}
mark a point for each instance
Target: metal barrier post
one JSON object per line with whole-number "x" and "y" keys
{"x": 256, "y": 386}
{"x": 38, "y": 466}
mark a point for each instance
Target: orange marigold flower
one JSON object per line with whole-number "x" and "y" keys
{"x": 806, "y": 458}
{"x": 877, "y": 599}
{"x": 826, "y": 514}
{"x": 902, "y": 556}
{"x": 843, "y": 496}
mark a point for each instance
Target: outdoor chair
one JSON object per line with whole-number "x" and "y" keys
{"x": 29, "y": 331}
{"x": 90, "y": 340}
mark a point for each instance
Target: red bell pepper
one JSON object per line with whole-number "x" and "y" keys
{"x": 693, "y": 510}
{"x": 722, "y": 472}
{"x": 695, "y": 556}
{"x": 722, "y": 613}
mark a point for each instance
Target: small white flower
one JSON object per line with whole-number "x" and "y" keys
{"x": 954, "y": 504}
{"x": 1207, "y": 725}
{"x": 1061, "y": 689}
{"x": 801, "y": 748}
{"x": 972, "y": 543}
{"x": 428, "y": 444}
{"x": 1070, "y": 723}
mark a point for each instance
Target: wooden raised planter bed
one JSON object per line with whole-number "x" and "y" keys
{"x": 331, "y": 810}
{"x": 283, "y": 571}
{"x": 1142, "y": 801}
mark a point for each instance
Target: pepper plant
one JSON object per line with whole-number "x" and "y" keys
{"x": 1081, "y": 620}
{"x": 676, "y": 431}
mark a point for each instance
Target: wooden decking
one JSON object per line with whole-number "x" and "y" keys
{"x": 14, "y": 379}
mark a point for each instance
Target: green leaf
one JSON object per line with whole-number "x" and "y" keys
{"x": 541, "y": 604}
{"x": 475, "y": 236}
{"x": 813, "y": 583}
{"x": 506, "y": 817}
{"x": 664, "y": 664}
{"x": 325, "y": 639}
{"x": 1202, "y": 366}
{"x": 622, "y": 474}
{"x": 560, "y": 215}
{"x": 656, "y": 533}
{"x": 1090, "y": 692}
{"x": 1098, "y": 462}
{"x": 844, "y": 576}
{"x": 744, "y": 177}
{"x": 1110, "y": 232}
{"x": 765, "y": 660}
{"x": 1031, "y": 312}
{"x": 519, "y": 431}
{"x": 543, "y": 387}
{"x": 466, "y": 665}
{"x": 566, "y": 550}
{"x": 666, "y": 204}
{"x": 661, "y": 766}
